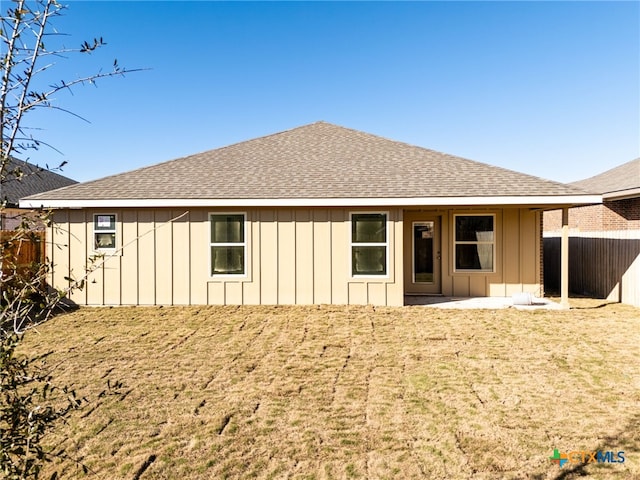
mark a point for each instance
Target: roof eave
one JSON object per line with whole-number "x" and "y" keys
{"x": 541, "y": 200}
{"x": 622, "y": 194}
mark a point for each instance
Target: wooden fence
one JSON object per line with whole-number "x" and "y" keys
{"x": 601, "y": 265}
{"x": 27, "y": 250}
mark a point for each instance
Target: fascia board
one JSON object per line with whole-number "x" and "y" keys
{"x": 566, "y": 200}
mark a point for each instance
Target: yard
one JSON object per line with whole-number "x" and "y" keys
{"x": 346, "y": 392}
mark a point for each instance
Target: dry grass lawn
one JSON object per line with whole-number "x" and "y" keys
{"x": 346, "y": 392}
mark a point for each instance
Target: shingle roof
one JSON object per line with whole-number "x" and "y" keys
{"x": 34, "y": 179}
{"x": 618, "y": 180}
{"x": 316, "y": 161}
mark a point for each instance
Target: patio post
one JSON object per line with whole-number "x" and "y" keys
{"x": 564, "y": 259}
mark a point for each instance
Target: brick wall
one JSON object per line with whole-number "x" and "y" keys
{"x": 622, "y": 215}
{"x": 611, "y": 215}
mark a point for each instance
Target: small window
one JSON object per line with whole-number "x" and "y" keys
{"x": 369, "y": 246}
{"x": 228, "y": 246}
{"x": 104, "y": 232}
{"x": 474, "y": 243}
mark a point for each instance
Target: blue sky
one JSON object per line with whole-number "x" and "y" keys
{"x": 547, "y": 88}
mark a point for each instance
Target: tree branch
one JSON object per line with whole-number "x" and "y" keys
{"x": 29, "y": 72}
{"x": 7, "y": 66}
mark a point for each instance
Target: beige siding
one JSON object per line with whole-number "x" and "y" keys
{"x": 512, "y": 252}
{"x": 216, "y": 294}
{"x": 267, "y": 250}
{"x": 95, "y": 281}
{"x": 76, "y": 257}
{"x": 163, "y": 258}
{"x": 530, "y": 243}
{"x": 251, "y": 289}
{"x": 461, "y": 286}
{"x": 112, "y": 294}
{"x": 199, "y": 260}
{"x": 394, "y": 289}
{"x": 465, "y": 284}
{"x": 478, "y": 286}
{"x": 147, "y": 259}
{"x": 233, "y": 293}
{"x": 57, "y": 250}
{"x": 358, "y": 293}
{"x": 321, "y": 257}
{"x": 286, "y": 246}
{"x": 294, "y": 256}
{"x": 304, "y": 255}
{"x": 339, "y": 260}
{"x": 180, "y": 254}
{"x": 448, "y": 286}
{"x": 129, "y": 268}
{"x": 517, "y": 253}
{"x": 377, "y": 293}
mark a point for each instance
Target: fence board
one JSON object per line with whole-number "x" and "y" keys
{"x": 27, "y": 250}
{"x": 601, "y": 265}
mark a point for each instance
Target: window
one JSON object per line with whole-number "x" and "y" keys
{"x": 228, "y": 246}
{"x": 474, "y": 242}
{"x": 369, "y": 244}
{"x": 104, "y": 232}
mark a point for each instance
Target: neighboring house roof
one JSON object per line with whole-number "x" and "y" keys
{"x": 23, "y": 179}
{"x": 620, "y": 182}
{"x": 317, "y": 164}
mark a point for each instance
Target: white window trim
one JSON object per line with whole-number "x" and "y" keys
{"x": 369, "y": 244}
{"x": 492, "y": 243}
{"x": 234, "y": 276}
{"x": 114, "y": 231}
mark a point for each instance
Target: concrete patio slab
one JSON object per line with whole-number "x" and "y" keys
{"x": 492, "y": 303}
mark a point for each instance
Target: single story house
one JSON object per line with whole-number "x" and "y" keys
{"x": 21, "y": 179}
{"x": 604, "y": 239}
{"x": 319, "y": 214}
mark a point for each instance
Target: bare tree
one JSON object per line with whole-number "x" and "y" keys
{"x": 26, "y": 34}
{"x": 27, "y": 409}
{"x": 24, "y": 29}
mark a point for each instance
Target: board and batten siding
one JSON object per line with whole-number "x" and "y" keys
{"x": 295, "y": 256}
{"x": 518, "y": 242}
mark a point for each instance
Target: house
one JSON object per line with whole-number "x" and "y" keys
{"x": 604, "y": 244}
{"x": 20, "y": 180}
{"x": 319, "y": 214}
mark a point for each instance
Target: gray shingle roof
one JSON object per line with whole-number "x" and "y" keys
{"x": 34, "y": 180}
{"x": 617, "y": 180}
{"x": 316, "y": 161}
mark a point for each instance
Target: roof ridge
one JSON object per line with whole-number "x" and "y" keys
{"x": 184, "y": 157}
{"x": 458, "y": 157}
{"x": 621, "y": 166}
{"x": 316, "y": 160}
{"x": 615, "y": 179}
